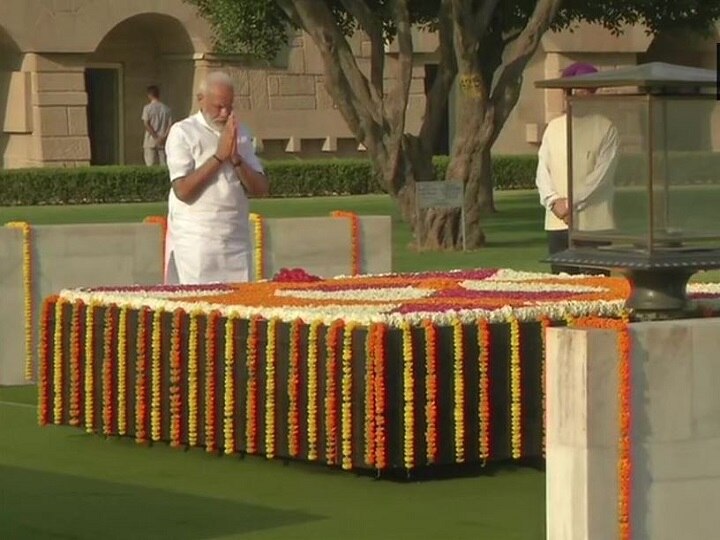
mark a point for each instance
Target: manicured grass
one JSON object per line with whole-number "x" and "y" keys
{"x": 58, "y": 482}
{"x": 515, "y": 234}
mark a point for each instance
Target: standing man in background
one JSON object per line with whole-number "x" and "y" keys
{"x": 157, "y": 119}
{"x": 595, "y": 153}
{"x": 213, "y": 171}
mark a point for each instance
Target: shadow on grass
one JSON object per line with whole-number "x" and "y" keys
{"x": 36, "y": 504}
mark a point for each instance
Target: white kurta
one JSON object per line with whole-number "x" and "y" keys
{"x": 208, "y": 240}
{"x": 595, "y": 151}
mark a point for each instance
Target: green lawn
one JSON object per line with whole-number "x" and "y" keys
{"x": 58, "y": 482}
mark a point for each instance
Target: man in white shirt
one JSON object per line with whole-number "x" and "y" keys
{"x": 213, "y": 169}
{"x": 595, "y": 149}
{"x": 157, "y": 119}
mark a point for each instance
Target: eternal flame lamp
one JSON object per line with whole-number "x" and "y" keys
{"x": 643, "y": 169}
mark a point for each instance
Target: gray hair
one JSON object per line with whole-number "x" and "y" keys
{"x": 215, "y": 78}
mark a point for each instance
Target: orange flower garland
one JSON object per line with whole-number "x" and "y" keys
{"x": 75, "y": 359}
{"x": 90, "y": 368}
{"x": 252, "y": 391}
{"x": 259, "y": 249}
{"x": 369, "y": 423}
{"x": 141, "y": 378}
{"x": 294, "y": 390}
{"x": 625, "y": 465}
{"x": 355, "y": 241}
{"x": 122, "y": 372}
{"x": 544, "y": 324}
{"x": 312, "y": 410}
{"x": 431, "y": 391}
{"x": 270, "y": 359}
{"x": 175, "y": 379}
{"x": 347, "y": 396}
{"x": 26, "y": 230}
{"x": 193, "y": 390}
{"x": 156, "y": 385}
{"x": 380, "y": 397}
{"x": 459, "y": 389}
{"x": 331, "y": 393}
{"x": 162, "y": 221}
{"x": 229, "y": 398}
{"x": 58, "y": 363}
{"x": 515, "y": 389}
{"x": 108, "y": 369}
{"x": 210, "y": 441}
{"x": 408, "y": 398}
{"x": 44, "y": 364}
{"x": 484, "y": 381}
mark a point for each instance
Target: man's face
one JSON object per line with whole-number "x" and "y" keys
{"x": 217, "y": 104}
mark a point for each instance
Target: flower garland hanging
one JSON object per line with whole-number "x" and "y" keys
{"x": 156, "y": 374}
{"x": 58, "y": 363}
{"x": 229, "y": 394}
{"x": 408, "y": 398}
{"x": 515, "y": 389}
{"x": 293, "y": 390}
{"x": 347, "y": 419}
{"x": 251, "y": 395}
{"x": 75, "y": 361}
{"x": 369, "y": 421}
{"x": 355, "y": 239}
{"x": 162, "y": 221}
{"x": 544, "y": 324}
{"x": 459, "y": 389}
{"x": 193, "y": 368}
{"x": 484, "y": 381}
{"x": 141, "y": 378}
{"x": 312, "y": 386}
{"x": 45, "y": 360}
{"x": 176, "y": 378}
{"x": 270, "y": 359}
{"x": 380, "y": 398}
{"x": 27, "y": 265}
{"x": 90, "y": 368}
{"x": 210, "y": 383}
{"x": 431, "y": 391}
{"x": 122, "y": 372}
{"x": 331, "y": 340}
{"x": 108, "y": 368}
{"x": 259, "y": 248}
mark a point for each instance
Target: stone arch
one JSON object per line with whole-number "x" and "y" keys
{"x": 10, "y": 63}
{"x": 145, "y": 49}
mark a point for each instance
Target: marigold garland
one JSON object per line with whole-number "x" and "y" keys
{"x": 58, "y": 363}
{"x": 26, "y": 230}
{"x": 270, "y": 359}
{"x": 259, "y": 249}
{"x": 369, "y": 422}
{"x": 175, "y": 379}
{"x": 45, "y": 361}
{"x": 347, "y": 396}
{"x": 380, "y": 398}
{"x": 515, "y": 389}
{"x": 544, "y": 324}
{"x": 210, "y": 440}
{"x": 229, "y": 397}
{"x": 331, "y": 393}
{"x": 625, "y": 464}
{"x": 484, "y": 382}
{"x": 162, "y": 221}
{"x": 251, "y": 395}
{"x": 90, "y": 368}
{"x": 193, "y": 390}
{"x": 108, "y": 369}
{"x": 156, "y": 384}
{"x": 459, "y": 390}
{"x": 431, "y": 391}
{"x": 141, "y": 378}
{"x": 355, "y": 240}
{"x": 312, "y": 388}
{"x": 408, "y": 398}
{"x": 293, "y": 390}
{"x": 122, "y": 372}
{"x": 75, "y": 360}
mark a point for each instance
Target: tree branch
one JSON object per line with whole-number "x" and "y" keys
{"x": 372, "y": 25}
{"x": 399, "y": 94}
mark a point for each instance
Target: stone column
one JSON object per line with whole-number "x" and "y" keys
{"x": 675, "y": 432}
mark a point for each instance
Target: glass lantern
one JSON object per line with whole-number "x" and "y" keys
{"x": 643, "y": 174}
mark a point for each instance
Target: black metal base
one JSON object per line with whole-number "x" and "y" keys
{"x": 658, "y": 280}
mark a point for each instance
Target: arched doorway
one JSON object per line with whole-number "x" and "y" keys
{"x": 10, "y": 61}
{"x": 140, "y": 51}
